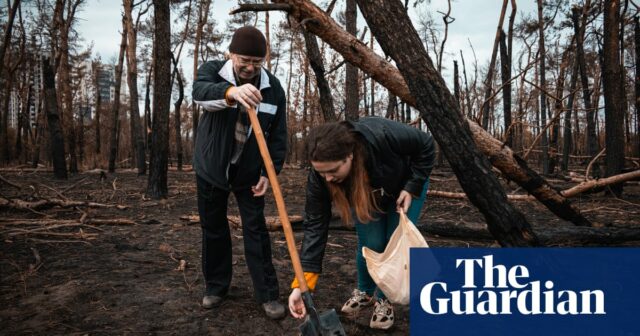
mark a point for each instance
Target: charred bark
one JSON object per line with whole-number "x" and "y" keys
{"x": 115, "y": 106}
{"x": 613, "y": 96}
{"x": 157, "y": 182}
{"x": 56, "y": 138}
{"x": 315, "y": 61}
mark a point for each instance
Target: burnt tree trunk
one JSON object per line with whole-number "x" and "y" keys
{"x": 559, "y": 109}
{"x": 592, "y": 143}
{"x": 567, "y": 138}
{"x": 177, "y": 115}
{"x": 315, "y": 60}
{"x": 391, "y": 107}
{"x": 456, "y": 83}
{"x": 613, "y": 96}
{"x": 387, "y": 75}
{"x": 492, "y": 64}
{"x": 137, "y": 140}
{"x": 505, "y": 72}
{"x": 115, "y": 106}
{"x": 351, "y": 75}
{"x": 544, "y": 141}
{"x": 56, "y": 138}
{"x": 636, "y": 39}
{"x": 96, "y": 120}
{"x": 203, "y": 14}
{"x": 147, "y": 109}
{"x": 392, "y": 27}
{"x": 157, "y": 182}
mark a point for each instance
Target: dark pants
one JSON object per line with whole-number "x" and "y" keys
{"x": 216, "y": 241}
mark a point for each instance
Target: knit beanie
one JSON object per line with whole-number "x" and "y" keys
{"x": 248, "y": 41}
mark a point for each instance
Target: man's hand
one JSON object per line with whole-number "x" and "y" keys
{"x": 246, "y": 94}
{"x": 404, "y": 201}
{"x": 296, "y": 305}
{"x": 261, "y": 187}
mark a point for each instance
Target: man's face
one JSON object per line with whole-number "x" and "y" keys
{"x": 247, "y": 67}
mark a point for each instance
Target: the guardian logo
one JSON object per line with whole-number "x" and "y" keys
{"x": 503, "y": 290}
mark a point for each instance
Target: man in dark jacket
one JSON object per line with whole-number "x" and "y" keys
{"x": 227, "y": 159}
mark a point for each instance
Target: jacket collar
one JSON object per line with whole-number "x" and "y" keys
{"x": 226, "y": 72}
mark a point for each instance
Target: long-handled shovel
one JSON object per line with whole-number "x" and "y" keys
{"x": 326, "y": 323}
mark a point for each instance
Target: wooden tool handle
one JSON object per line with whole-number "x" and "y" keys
{"x": 277, "y": 193}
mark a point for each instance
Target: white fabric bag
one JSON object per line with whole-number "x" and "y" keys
{"x": 390, "y": 269}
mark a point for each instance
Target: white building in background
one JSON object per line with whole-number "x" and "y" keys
{"x": 34, "y": 106}
{"x": 103, "y": 84}
{"x": 84, "y": 101}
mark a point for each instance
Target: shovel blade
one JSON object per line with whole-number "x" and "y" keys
{"x": 328, "y": 324}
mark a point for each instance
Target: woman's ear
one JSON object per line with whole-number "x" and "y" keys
{"x": 350, "y": 156}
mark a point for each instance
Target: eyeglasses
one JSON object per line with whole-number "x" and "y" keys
{"x": 246, "y": 62}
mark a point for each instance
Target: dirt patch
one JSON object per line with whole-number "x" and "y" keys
{"x": 122, "y": 279}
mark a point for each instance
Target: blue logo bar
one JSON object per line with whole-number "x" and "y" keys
{"x": 525, "y": 291}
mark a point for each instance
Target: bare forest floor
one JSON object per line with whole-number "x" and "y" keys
{"x": 142, "y": 276}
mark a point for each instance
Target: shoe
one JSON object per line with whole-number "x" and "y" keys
{"x": 382, "y": 317}
{"x": 210, "y": 301}
{"x": 273, "y": 309}
{"x": 357, "y": 301}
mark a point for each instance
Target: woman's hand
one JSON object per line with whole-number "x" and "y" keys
{"x": 404, "y": 201}
{"x": 296, "y": 305}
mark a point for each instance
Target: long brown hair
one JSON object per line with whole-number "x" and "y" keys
{"x": 334, "y": 141}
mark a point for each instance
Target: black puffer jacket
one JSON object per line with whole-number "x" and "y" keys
{"x": 216, "y": 127}
{"x": 399, "y": 157}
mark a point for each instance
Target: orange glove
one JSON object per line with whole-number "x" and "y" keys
{"x": 312, "y": 280}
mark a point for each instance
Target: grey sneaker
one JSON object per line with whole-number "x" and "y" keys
{"x": 273, "y": 309}
{"x": 210, "y": 301}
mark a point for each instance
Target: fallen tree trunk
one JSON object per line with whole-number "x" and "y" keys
{"x": 548, "y": 235}
{"x": 571, "y": 192}
{"x": 603, "y": 182}
{"x": 19, "y": 204}
{"x": 502, "y": 157}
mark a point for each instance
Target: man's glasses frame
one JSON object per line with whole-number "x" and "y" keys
{"x": 245, "y": 61}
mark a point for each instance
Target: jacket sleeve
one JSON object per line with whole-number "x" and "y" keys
{"x": 277, "y": 142}
{"x": 209, "y": 89}
{"x": 316, "y": 224}
{"x": 418, "y": 146}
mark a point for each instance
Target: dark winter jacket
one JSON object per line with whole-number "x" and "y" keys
{"x": 216, "y": 127}
{"x": 399, "y": 157}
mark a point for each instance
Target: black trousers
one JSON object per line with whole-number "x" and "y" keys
{"x": 216, "y": 241}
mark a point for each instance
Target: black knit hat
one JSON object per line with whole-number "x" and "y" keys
{"x": 248, "y": 41}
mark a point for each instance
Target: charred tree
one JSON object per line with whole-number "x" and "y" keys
{"x": 177, "y": 111}
{"x": 203, "y": 14}
{"x": 137, "y": 139}
{"x": 613, "y": 96}
{"x": 505, "y": 74}
{"x": 636, "y": 39}
{"x": 544, "y": 141}
{"x": 492, "y": 64}
{"x": 56, "y": 138}
{"x": 157, "y": 182}
{"x": 115, "y": 106}
{"x": 592, "y": 140}
{"x": 567, "y": 142}
{"x": 315, "y": 60}
{"x": 351, "y": 75}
